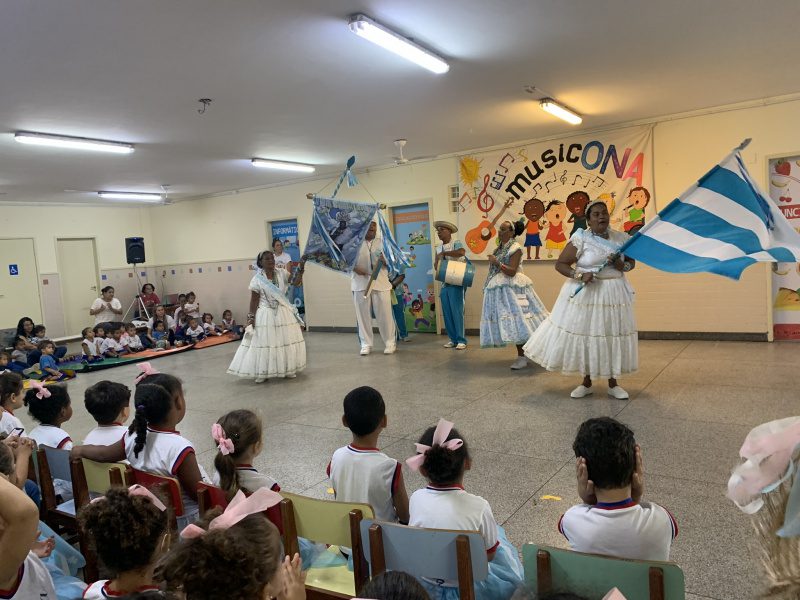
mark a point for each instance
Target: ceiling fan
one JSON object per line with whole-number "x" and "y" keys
{"x": 401, "y": 159}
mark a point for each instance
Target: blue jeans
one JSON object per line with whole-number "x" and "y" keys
{"x": 35, "y": 355}
{"x": 33, "y": 492}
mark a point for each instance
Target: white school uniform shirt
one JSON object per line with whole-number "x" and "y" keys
{"x": 93, "y": 346}
{"x": 8, "y": 422}
{"x": 209, "y": 327}
{"x": 193, "y": 310}
{"x": 106, "y": 435}
{"x": 451, "y": 507}
{"x": 50, "y": 435}
{"x": 250, "y": 479}
{"x": 368, "y": 254}
{"x": 163, "y": 454}
{"x": 194, "y": 332}
{"x": 132, "y": 342}
{"x": 169, "y": 323}
{"x": 111, "y": 344}
{"x": 366, "y": 475}
{"x": 625, "y": 529}
{"x": 34, "y": 582}
{"x": 106, "y": 315}
{"x": 99, "y": 590}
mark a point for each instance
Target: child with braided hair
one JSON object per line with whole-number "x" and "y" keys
{"x": 129, "y": 531}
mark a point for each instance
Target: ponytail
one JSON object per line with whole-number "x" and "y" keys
{"x": 243, "y": 428}
{"x": 153, "y": 403}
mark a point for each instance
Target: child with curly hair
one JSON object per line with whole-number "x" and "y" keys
{"x": 52, "y": 407}
{"x": 234, "y": 558}
{"x": 129, "y": 531}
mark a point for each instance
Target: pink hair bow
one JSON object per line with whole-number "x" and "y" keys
{"x": 138, "y": 490}
{"x": 42, "y": 392}
{"x": 614, "y": 594}
{"x": 146, "y": 370}
{"x": 240, "y": 507}
{"x": 443, "y": 429}
{"x": 224, "y": 444}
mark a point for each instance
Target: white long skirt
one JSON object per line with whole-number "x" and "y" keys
{"x": 592, "y": 334}
{"x": 276, "y": 347}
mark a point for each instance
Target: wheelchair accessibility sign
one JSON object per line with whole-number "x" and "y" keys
{"x": 13, "y": 269}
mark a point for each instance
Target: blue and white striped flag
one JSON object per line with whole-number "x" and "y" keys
{"x": 722, "y": 224}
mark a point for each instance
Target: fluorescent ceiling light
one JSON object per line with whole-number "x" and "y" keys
{"x": 376, "y": 33}
{"x": 77, "y": 143}
{"x": 560, "y": 111}
{"x": 282, "y": 165}
{"x": 131, "y": 196}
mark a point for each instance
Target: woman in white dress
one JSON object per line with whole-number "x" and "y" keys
{"x": 593, "y": 333}
{"x": 275, "y": 346}
{"x": 511, "y": 309}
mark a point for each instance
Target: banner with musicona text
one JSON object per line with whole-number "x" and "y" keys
{"x": 549, "y": 184}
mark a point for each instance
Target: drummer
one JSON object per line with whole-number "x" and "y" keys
{"x": 451, "y": 296}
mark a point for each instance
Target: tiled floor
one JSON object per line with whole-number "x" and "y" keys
{"x": 691, "y": 406}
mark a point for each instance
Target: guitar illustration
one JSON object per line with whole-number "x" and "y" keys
{"x": 478, "y": 238}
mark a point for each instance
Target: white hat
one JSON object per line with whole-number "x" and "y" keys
{"x": 446, "y": 225}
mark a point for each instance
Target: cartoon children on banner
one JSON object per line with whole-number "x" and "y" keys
{"x": 638, "y": 199}
{"x": 555, "y": 239}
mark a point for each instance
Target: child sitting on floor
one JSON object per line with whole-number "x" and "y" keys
{"x": 40, "y": 335}
{"x": 360, "y": 472}
{"x": 228, "y": 322}
{"x": 129, "y": 531}
{"x": 99, "y": 333}
{"x": 19, "y": 356}
{"x": 152, "y": 444}
{"x": 209, "y": 327}
{"x": 130, "y": 339}
{"x": 192, "y": 307}
{"x": 90, "y": 346}
{"x": 193, "y": 332}
{"x": 160, "y": 335}
{"x": 109, "y": 404}
{"x": 241, "y": 561}
{"x": 613, "y": 520}
{"x": 238, "y": 438}
{"x": 5, "y": 358}
{"x": 444, "y": 504}
{"x": 12, "y": 394}
{"x": 112, "y": 346}
{"x": 47, "y": 362}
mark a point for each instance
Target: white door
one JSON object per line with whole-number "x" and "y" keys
{"x": 77, "y": 266}
{"x": 19, "y": 283}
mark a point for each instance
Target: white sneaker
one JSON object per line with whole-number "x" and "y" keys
{"x": 581, "y": 392}
{"x": 260, "y": 379}
{"x": 449, "y": 345}
{"x": 365, "y": 350}
{"x": 461, "y": 346}
{"x": 406, "y": 339}
{"x": 520, "y": 363}
{"x": 618, "y": 393}
{"x": 291, "y": 375}
{"x": 390, "y": 349}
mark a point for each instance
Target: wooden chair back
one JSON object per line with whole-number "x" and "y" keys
{"x": 326, "y": 522}
{"x": 433, "y": 553}
{"x": 210, "y": 496}
{"x": 90, "y": 478}
{"x": 549, "y": 570}
{"x": 167, "y": 488}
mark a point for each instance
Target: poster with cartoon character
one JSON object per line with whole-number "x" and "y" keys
{"x": 549, "y": 184}
{"x": 412, "y": 230}
{"x": 784, "y": 189}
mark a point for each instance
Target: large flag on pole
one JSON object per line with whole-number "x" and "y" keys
{"x": 722, "y": 224}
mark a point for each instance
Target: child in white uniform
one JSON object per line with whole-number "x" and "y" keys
{"x": 131, "y": 340}
{"x": 360, "y": 472}
{"x": 192, "y": 307}
{"x": 109, "y": 404}
{"x": 22, "y": 574}
{"x": 444, "y": 504}
{"x": 209, "y": 327}
{"x": 110, "y": 521}
{"x": 194, "y": 332}
{"x": 12, "y": 394}
{"x": 112, "y": 347}
{"x": 155, "y": 446}
{"x": 52, "y": 407}
{"x": 90, "y": 346}
{"x": 238, "y": 438}
{"x": 613, "y": 520}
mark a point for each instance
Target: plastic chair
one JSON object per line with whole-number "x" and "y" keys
{"x": 332, "y": 523}
{"x": 433, "y": 553}
{"x": 550, "y": 569}
{"x": 167, "y": 488}
{"x": 53, "y": 463}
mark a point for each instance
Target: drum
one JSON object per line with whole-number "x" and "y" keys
{"x": 455, "y": 272}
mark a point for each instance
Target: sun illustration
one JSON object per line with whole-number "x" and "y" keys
{"x": 470, "y": 169}
{"x": 608, "y": 198}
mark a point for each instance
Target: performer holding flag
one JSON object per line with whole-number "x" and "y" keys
{"x": 451, "y": 296}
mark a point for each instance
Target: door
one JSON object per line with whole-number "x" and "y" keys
{"x": 77, "y": 266}
{"x": 412, "y": 230}
{"x": 19, "y": 283}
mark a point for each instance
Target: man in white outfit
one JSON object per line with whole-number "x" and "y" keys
{"x": 380, "y": 299}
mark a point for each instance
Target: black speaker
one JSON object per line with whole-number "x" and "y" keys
{"x": 134, "y": 250}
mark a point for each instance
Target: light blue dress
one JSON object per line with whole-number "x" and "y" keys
{"x": 511, "y": 309}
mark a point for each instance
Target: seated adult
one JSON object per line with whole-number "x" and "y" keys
{"x": 30, "y": 342}
{"x": 160, "y": 314}
{"x": 149, "y": 297}
{"x": 106, "y": 309}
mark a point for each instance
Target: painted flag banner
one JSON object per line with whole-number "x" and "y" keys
{"x": 722, "y": 224}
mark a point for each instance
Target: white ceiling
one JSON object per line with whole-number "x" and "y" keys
{"x": 290, "y": 81}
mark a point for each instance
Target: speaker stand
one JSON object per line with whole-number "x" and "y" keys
{"x": 137, "y": 300}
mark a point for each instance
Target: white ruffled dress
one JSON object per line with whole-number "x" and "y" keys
{"x": 593, "y": 333}
{"x": 511, "y": 309}
{"x": 276, "y": 347}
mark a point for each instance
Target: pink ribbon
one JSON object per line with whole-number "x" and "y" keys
{"x": 42, "y": 392}
{"x": 146, "y": 370}
{"x": 614, "y": 594}
{"x": 138, "y": 490}
{"x": 443, "y": 429}
{"x": 224, "y": 444}
{"x": 767, "y": 451}
{"x": 240, "y": 507}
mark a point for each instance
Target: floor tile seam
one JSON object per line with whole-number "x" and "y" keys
{"x": 536, "y": 492}
{"x": 311, "y": 487}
